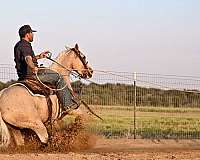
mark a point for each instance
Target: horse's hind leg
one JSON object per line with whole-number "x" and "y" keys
{"x": 36, "y": 125}
{"x": 19, "y": 140}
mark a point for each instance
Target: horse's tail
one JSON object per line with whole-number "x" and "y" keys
{"x": 4, "y": 134}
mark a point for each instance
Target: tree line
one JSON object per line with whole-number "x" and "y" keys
{"x": 123, "y": 95}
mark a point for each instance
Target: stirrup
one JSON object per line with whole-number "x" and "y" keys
{"x": 72, "y": 106}
{"x": 66, "y": 110}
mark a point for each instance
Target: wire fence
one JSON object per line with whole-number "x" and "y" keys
{"x": 138, "y": 105}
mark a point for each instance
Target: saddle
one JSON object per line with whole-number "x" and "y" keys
{"x": 37, "y": 88}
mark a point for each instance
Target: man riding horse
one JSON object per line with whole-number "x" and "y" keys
{"x": 27, "y": 66}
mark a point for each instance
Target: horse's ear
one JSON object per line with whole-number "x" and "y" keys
{"x": 76, "y": 46}
{"x": 67, "y": 48}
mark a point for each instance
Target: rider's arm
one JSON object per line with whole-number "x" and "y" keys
{"x": 30, "y": 64}
{"x": 42, "y": 55}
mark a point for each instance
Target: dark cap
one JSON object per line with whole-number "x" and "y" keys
{"x": 24, "y": 30}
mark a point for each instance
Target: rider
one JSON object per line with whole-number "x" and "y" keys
{"x": 27, "y": 66}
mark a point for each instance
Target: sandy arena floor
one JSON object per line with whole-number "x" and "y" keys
{"x": 121, "y": 149}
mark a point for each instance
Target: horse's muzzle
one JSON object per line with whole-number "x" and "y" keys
{"x": 90, "y": 72}
{"x": 87, "y": 73}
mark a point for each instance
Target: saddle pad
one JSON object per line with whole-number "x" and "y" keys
{"x": 20, "y": 84}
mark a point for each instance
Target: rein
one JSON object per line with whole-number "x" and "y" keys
{"x": 75, "y": 75}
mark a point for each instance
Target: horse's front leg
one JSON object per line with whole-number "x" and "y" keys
{"x": 39, "y": 128}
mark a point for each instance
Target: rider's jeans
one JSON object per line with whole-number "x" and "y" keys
{"x": 54, "y": 78}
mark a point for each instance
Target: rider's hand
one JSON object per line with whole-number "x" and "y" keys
{"x": 44, "y": 54}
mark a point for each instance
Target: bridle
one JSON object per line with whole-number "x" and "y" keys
{"x": 76, "y": 74}
{"x": 84, "y": 62}
{"x": 82, "y": 58}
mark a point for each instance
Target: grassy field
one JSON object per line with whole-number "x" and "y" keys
{"x": 151, "y": 122}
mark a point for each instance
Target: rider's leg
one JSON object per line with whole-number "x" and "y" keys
{"x": 65, "y": 96}
{"x": 48, "y": 76}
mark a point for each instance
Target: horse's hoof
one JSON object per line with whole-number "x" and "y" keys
{"x": 43, "y": 145}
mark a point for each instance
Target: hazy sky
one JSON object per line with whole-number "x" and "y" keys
{"x": 156, "y": 36}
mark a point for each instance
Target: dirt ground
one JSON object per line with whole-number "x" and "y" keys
{"x": 120, "y": 149}
{"x": 73, "y": 142}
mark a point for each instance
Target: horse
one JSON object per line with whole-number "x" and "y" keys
{"x": 20, "y": 109}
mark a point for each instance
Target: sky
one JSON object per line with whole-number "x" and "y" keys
{"x": 151, "y": 36}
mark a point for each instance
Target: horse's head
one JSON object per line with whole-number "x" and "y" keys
{"x": 80, "y": 64}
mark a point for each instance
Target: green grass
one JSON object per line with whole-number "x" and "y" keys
{"x": 151, "y": 122}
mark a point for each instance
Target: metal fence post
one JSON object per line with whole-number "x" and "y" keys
{"x": 134, "y": 84}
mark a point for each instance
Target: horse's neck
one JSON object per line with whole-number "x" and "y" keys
{"x": 64, "y": 60}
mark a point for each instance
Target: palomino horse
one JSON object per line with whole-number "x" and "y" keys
{"x": 21, "y": 109}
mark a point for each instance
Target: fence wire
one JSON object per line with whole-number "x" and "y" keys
{"x": 167, "y": 106}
